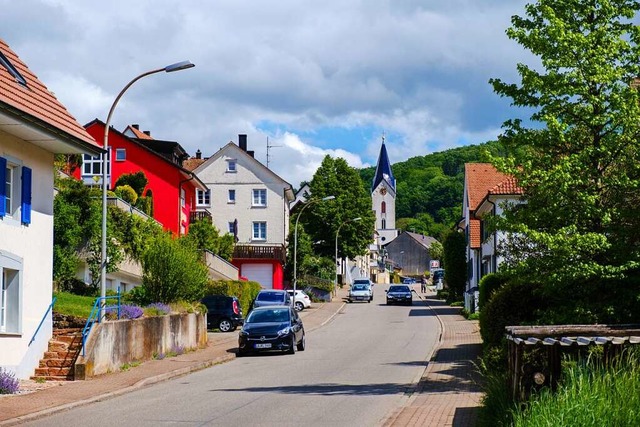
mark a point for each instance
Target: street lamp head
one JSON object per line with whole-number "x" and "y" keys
{"x": 179, "y": 66}
{"x": 356, "y": 219}
{"x": 328, "y": 198}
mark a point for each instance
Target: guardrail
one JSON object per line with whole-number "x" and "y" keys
{"x": 94, "y": 316}
{"x": 42, "y": 321}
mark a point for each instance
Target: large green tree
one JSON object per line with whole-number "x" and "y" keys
{"x": 578, "y": 158}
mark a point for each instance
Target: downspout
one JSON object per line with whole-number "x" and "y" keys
{"x": 180, "y": 199}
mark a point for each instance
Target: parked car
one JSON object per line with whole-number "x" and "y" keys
{"x": 223, "y": 312}
{"x": 360, "y": 292}
{"x": 408, "y": 281}
{"x": 268, "y": 297}
{"x": 302, "y": 300}
{"x": 367, "y": 282}
{"x": 272, "y": 328}
{"x": 437, "y": 275}
{"x": 400, "y": 294}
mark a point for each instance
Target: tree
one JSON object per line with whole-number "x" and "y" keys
{"x": 579, "y": 162}
{"x": 436, "y": 251}
{"x": 455, "y": 264}
{"x": 204, "y": 235}
{"x": 352, "y": 200}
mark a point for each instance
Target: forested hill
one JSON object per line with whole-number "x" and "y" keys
{"x": 429, "y": 188}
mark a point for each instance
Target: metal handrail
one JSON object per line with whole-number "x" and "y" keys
{"x": 33, "y": 338}
{"x": 94, "y": 317}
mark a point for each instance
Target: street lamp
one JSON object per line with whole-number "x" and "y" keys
{"x": 105, "y": 162}
{"x": 295, "y": 244}
{"x": 335, "y": 285}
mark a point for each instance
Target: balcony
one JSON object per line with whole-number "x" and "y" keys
{"x": 200, "y": 215}
{"x": 260, "y": 252}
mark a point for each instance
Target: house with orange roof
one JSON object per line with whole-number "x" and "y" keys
{"x": 34, "y": 126}
{"x": 486, "y": 193}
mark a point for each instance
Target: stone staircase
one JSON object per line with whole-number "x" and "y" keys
{"x": 64, "y": 348}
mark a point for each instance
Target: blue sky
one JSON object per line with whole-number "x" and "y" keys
{"x": 315, "y": 78}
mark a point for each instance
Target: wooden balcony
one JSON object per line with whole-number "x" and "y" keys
{"x": 260, "y": 252}
{"x": 200, "y": 215}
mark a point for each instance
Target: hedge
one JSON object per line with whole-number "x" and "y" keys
{"x": 245, "y": 291}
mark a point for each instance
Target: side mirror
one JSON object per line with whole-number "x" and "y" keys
{"x": 386, "y": 290}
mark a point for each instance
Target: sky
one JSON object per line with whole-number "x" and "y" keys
{"x": 307, "y": 78}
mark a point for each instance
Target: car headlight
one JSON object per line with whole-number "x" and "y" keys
{"x": 284, "y": 331}
{"x": 244, "y": 333}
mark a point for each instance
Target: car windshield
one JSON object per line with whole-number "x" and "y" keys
{"x": 361, "y": 282}
{"x": 268, "y": 316}
{"x": 270, "y": 296}
{"x": 359, "y": 287}
{"x": 399, "y": 289}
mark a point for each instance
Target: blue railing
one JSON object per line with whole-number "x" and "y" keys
{"x": 33, "y": 338}
{"x": 94, "y": 316}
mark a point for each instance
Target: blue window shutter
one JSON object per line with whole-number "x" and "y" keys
{"x": 26, "y": 195}
{"x": 3, "y": 183}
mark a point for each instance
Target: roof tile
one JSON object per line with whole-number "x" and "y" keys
{"x": 480, "y": 178}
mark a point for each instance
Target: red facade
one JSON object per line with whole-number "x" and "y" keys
{"x": 166, "y": 180}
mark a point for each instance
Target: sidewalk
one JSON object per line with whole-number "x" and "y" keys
{"x": 444, "y": 396}
{"x": 447, "y": 394}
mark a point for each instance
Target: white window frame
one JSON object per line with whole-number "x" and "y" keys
{"x": 259, "y": 197}
{"x": 88, "y": 162}
{"x": 9, "y": 189}
{"x": 259, "y": 231}
{"x": 232, "y": 165}
{"x": 121, "y": 154}
{"x": 231, "y": 196}
{"x": 203, "y": 197}
{"x": 183, "y": 197}
{"x": 10, "y": 298}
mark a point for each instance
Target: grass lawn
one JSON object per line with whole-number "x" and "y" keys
{"x": 74, "y": 305}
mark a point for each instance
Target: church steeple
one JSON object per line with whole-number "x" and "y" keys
{"x": 383, "y": 169}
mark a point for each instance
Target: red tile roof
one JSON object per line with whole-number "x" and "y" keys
{"x": 475, "y": 239}
{"x": 36, "y": 101}
{"x": 138, "y": 133}
{"x": 192, "y": 163}
{"x": 480, "y": 178}
{"x": 508, "y": 187}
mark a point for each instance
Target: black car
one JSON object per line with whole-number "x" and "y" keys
{"x": 400, "y": 294}
{"x": 271, "y": 328}
{"x": 223, "y": 312}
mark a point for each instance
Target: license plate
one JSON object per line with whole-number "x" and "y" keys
{"x": 263, "y": 345}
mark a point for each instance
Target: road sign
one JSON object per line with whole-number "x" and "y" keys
{"x": 435, "y": 264}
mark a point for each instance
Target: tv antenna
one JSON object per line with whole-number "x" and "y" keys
{"x": 269, "y": 147}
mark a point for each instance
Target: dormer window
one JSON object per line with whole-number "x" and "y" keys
{"x": 232, "y": 165}
{"x": 12, "y": 70}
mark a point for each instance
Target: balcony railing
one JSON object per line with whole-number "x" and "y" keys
{"x": 260, "y": 252}
{"x": 200, "y": 215}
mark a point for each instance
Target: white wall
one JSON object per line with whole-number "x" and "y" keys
{"x": 34, "y": 245}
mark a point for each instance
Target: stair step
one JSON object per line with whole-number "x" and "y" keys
{"x": 69, "y": 339}
{"x": 67, "y": 331}
{"x": 57, "y": 363}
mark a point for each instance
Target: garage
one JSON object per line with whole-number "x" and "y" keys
{"x": 261, "y": 273}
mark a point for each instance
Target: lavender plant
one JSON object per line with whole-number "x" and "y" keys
{"x": 8, "y": 382}
{"x": 157, "y": 309}
{"x": 126, "y": 312}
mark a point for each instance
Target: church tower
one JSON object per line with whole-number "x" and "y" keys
{"x": 383, "y": 196}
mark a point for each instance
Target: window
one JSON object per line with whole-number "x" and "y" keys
{"x": 121, "y": 154}
{"x": 183, "y": 197}
{"x": 12, "y": 70}
{"x": 10, "y": 306}
{"x": 15, "y": 190}
{"x": 232, "y": 227}
{"x": 92, "y": 165}
{"x": 384, "y": 224}
{"x": 203, "y": 197}
{"x": 232, "y": 196}
{"x": 383, "y": 208}
{"x": 259, "y": 198}
{"x": 260, "y": 230}
{"x": 232, "y": 165}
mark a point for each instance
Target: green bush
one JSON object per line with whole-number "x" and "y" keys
{"x": 315, "y": 282}
{"x": 488, "y": 285}
{"x": 246, "y": 292}
{"x": 513, "y": 304}
{"x": 126, "y": 193}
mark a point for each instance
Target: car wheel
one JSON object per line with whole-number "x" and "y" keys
{"x": 302, "y": 345}
{"x": 349, "y": 301}
{"x": 292, "y": 349}
{"x": 370, "y": 299}
{"x": 388, "y": 303}
{"x": 299, "y": 306}
{"x": 225, "y": 325}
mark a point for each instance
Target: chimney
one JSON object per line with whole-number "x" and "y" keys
{"x": 250, "y": 153}
{"x": 242, "y": 141}
{"x": 136, "y": 126}
{"x": 147, "y": 132}
{"x": 198, "y": 154}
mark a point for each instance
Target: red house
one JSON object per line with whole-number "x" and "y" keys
{"x": 171, "y": 186}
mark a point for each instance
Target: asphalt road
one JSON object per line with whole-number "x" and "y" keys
{"x": 355, "y": 371}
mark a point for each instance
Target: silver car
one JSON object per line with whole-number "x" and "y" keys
{"x": 360, "y": 292}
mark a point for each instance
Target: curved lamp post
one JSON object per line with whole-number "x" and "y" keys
{"x": 295, "y": 244}
{"x": 105, "y": 162}
{"x": 335, "y": 284}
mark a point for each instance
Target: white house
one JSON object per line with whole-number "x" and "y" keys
{"x": 250, "y": 201}
{"x": 486, "y": 190}
{"x": 33, "y": 127}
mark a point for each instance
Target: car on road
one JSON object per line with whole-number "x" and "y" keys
{"x": 367, "y": 282}
{"x": 223, "y": 312}
{"x": 408, "y": 281}
{"x": 360, "y": 292}
{"x": 302, "y": 300}
{"x": 400, "y": 294}
{"x": 268, "y": 297}
{"x": 271, "y": 328}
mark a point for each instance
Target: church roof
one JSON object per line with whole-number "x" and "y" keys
{"x": 383, "y": 169}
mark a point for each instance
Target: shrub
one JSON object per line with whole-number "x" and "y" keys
{"x": 157, "y": 309}
{"x": 488, "y": 285}
{"x": 246, "y": 292}
{"x": 126, "y": 312}
{"x": 126, "y": 193}
{"x": 136, "y": 296}
{"x": 8, "y": 382}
